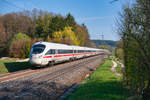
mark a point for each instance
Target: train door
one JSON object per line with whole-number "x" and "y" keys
{"x": 49, "y": 56}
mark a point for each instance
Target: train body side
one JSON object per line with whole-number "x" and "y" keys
{"x": 43, "y": 53}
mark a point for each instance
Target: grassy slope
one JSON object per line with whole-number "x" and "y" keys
{"x": 12, "y": 66}
{"x": 102, "y": 85}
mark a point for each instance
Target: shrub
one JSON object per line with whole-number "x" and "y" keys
{"x": 106, "y": 47}
{"x": 119, "y": 53}
{"x": 19, "y": 46}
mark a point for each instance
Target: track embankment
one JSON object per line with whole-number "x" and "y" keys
{"x": 46, "y": 83}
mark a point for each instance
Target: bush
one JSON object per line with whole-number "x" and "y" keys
{"x": 19, "y": 46}
{"x": 107, "y": 47}
{"x": 119, "y": 53}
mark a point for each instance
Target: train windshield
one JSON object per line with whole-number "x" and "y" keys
{"x": 37, "y": 49}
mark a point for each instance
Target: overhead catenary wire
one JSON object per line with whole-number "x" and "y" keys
{"x": 12, "y": 4}
{"x": 16, "y": 6}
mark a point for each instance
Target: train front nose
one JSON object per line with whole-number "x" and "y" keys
{"x": 35, "y": 60}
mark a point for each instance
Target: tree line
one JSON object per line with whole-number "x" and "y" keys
{"x": 105, "y": 42}
{"x": 134, "y": 29}
{"x": 19, "y": 30}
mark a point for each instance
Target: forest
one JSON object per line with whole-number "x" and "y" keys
{"x": 19, "y": 30}
{"x": 105, "y": 42}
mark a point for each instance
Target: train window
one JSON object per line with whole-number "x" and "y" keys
{"x": 51, "y": 51}
{"x": 69, "y": 51}
{"x": 61, "y": 51}
{"x": 75, "y": 51}
{"x": 39, "y": 48}
{"x": 80, "y": 51}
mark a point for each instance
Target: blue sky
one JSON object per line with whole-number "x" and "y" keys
{"x": 98, "y": 15}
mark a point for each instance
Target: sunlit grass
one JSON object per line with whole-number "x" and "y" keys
{"x": 101, "y": 85}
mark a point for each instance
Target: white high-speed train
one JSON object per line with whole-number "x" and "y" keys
{"x": 44, "y": 53}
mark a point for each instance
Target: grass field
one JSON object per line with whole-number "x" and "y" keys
{"x": 101, "y": 85}
{"x": 12, "y": 66}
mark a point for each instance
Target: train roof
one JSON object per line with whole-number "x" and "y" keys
{"x": 54, "y": 45}
{"x": 64, "y": 46}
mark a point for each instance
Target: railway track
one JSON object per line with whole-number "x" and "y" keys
{"x": 47, "y": 83}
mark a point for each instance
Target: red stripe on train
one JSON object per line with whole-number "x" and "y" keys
{"x": 67, "y": 55}
{"x": 63, "y": 55}
{"x": 47, "y": 57}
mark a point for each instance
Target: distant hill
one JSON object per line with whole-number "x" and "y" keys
{"x": 105, "y": 42}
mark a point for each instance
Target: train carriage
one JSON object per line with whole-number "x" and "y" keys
{"x": 44, "y": 53}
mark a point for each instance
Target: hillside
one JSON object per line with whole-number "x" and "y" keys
{"x": 105, "y": 42}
